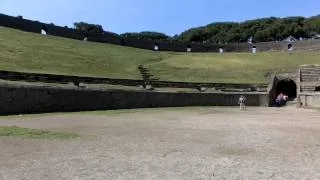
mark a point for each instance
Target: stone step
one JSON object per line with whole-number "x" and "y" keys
{"x": 310, "y": 71}
{"x": 310, "y": 79}
{"x": 146, "y": 75}
{"x": 307, "y": 90}
{"x": 310, "y": 74}
{"x": 292, "y": 103}
{"x": 314, "y": 81}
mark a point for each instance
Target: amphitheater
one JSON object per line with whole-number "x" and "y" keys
{"x": 301, "y": 85}
{"x": 146, "y": 130}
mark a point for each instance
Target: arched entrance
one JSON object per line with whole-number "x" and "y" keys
{"x": 288, "y": 87}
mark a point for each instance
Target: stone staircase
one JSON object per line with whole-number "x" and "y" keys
{"x": 310, "y": 78}
{"x": 293, "y": 103}
{"x": 147, "y": 77}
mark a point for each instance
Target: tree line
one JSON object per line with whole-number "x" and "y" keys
{"x": 88, "y": 28}
{"x": 260, "y": 30}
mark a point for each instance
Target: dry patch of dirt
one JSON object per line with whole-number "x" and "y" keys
{"x": 203, "y": 143}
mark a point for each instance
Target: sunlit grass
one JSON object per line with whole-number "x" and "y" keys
{"x": 30, "y": 52}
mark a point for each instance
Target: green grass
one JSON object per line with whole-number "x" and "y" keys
{"x": 30, "y": 52}
{"x": 14, "y": 131}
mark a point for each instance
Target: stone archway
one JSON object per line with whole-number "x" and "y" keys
{"x": 288, "y": 87}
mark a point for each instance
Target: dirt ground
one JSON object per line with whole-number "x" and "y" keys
{"x": 199, "y": 143}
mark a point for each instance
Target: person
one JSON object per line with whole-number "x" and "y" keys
{"x": 281, "y": 99}
{"x": 242, "y": 103}
{"x": 284, "y": 99}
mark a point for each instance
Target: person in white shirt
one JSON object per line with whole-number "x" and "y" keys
{"x": 242, "y": 103}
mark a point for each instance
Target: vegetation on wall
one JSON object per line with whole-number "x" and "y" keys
{"x": 88, "y": 28}
{"x": 147, "y": 35}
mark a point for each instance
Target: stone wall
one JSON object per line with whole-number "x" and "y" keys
{"x": 24, "y": 99}
{"x": 62, "y": 79}
{"x": 310, "y": 100}
{"x": 177, "y": 46}
{"x": 51, "y": 29}
{"x": 309, "y": 86}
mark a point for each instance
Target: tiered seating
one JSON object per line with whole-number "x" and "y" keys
{"x": 310, "y": 78}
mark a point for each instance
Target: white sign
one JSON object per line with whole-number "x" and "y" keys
{"x": 254, "y": 50}
{"x": 188, "y": 49}
{"x": 290, "y": 49}
{"x": 220, "y": 50}
{"x": 43, "y": 32}
{"x": 156, "y": 48}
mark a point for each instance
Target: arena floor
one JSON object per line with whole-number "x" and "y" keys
{"x": 192, "y": 143}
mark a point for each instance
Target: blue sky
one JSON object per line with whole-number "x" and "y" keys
{"x": 168, "y": 16}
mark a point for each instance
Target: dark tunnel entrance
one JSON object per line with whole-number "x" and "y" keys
{"x": 287, "y": 87}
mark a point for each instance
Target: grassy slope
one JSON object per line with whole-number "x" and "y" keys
{"x": 29, "y": 52}
{"x": 21, "y": 51}
{"x": 232, "y": 67}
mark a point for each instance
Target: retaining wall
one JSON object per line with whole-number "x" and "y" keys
{"x": 23, "y": 99}
{"x": 310, "y": 100}
{"x": 63, "y": 79}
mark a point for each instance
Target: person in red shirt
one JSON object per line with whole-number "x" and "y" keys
{"x": 281, "y": 99}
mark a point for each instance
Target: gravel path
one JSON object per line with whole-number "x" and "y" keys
{"x": 205, "y": 143}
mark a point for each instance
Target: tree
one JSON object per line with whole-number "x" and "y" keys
{"x": 264, "y": 29}
{"x": 312, "y": 25}
{"x": 88, "y": 28}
